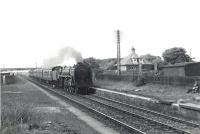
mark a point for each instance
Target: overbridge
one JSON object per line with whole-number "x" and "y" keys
{"x": 16, "y": 69}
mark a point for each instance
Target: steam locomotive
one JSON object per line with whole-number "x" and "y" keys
{"x": 75, "y": 79}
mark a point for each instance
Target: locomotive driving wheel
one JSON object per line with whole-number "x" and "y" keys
{"x": 75, "y": 90}
{"x": 68, "y": 85}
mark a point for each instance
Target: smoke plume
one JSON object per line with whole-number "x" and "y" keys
{"x": 64, "y": 54}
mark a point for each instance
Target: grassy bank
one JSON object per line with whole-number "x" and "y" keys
{"x": 27, "y": 111}
{"x": 17, "y": 116}
{"x": 158, "y": 91}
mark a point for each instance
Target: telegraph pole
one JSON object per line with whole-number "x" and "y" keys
{"x": 118, "y": 53}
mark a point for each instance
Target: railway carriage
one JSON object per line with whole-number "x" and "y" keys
{"x": 38, "y": 74}
{"x": 47, "y": 75}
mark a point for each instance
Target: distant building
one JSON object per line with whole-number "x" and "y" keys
{"x": 181, "y": 69}
{"x": 132, "y": 61}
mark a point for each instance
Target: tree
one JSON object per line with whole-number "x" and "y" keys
{"x": 175, "y": 55}
{"x": 151, "y": 58}
{"x": 108, "y": 64}
{"x": 92, "y": 63}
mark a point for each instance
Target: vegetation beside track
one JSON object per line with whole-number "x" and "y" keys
{"x": 157, "y": 91}
{"x": 26, "y": 110}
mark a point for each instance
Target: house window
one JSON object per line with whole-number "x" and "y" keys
{"x": 132, "y": 68}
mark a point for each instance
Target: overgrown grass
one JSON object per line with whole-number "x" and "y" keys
{"x": 20, "y": 114}
{"x": 17, "y": 116}
{"x": 150, "y": 90}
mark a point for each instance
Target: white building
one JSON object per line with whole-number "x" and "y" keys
{"x": 132, "y": 61}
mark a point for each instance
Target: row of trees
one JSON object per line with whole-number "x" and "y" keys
{"x": 170, "y": 56}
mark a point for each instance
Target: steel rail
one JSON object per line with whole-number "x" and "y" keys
{"x": 145, "y": 118}
{"x": 122, "y": 124}
{"x": 152, "y": 112}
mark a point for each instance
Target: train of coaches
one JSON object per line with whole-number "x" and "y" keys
{"x": 77, "y": 79}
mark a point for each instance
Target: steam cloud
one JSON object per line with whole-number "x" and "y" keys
{"x": 64, "y": 54}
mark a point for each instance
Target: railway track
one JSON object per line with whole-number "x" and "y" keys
{"x": 126, "y": 119}
{"x": 142, "y": 123}
{"x": 180, "y": 125}
{"x": 140, "y": 109}
{"x": 70, "y": 98}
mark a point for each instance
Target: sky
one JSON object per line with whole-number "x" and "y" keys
{"x": 33, "y": 30}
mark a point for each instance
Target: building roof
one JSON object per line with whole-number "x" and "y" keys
{"x": 129, "y": 59}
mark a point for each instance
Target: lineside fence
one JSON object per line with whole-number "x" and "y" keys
{"x": 150, "y": 79}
